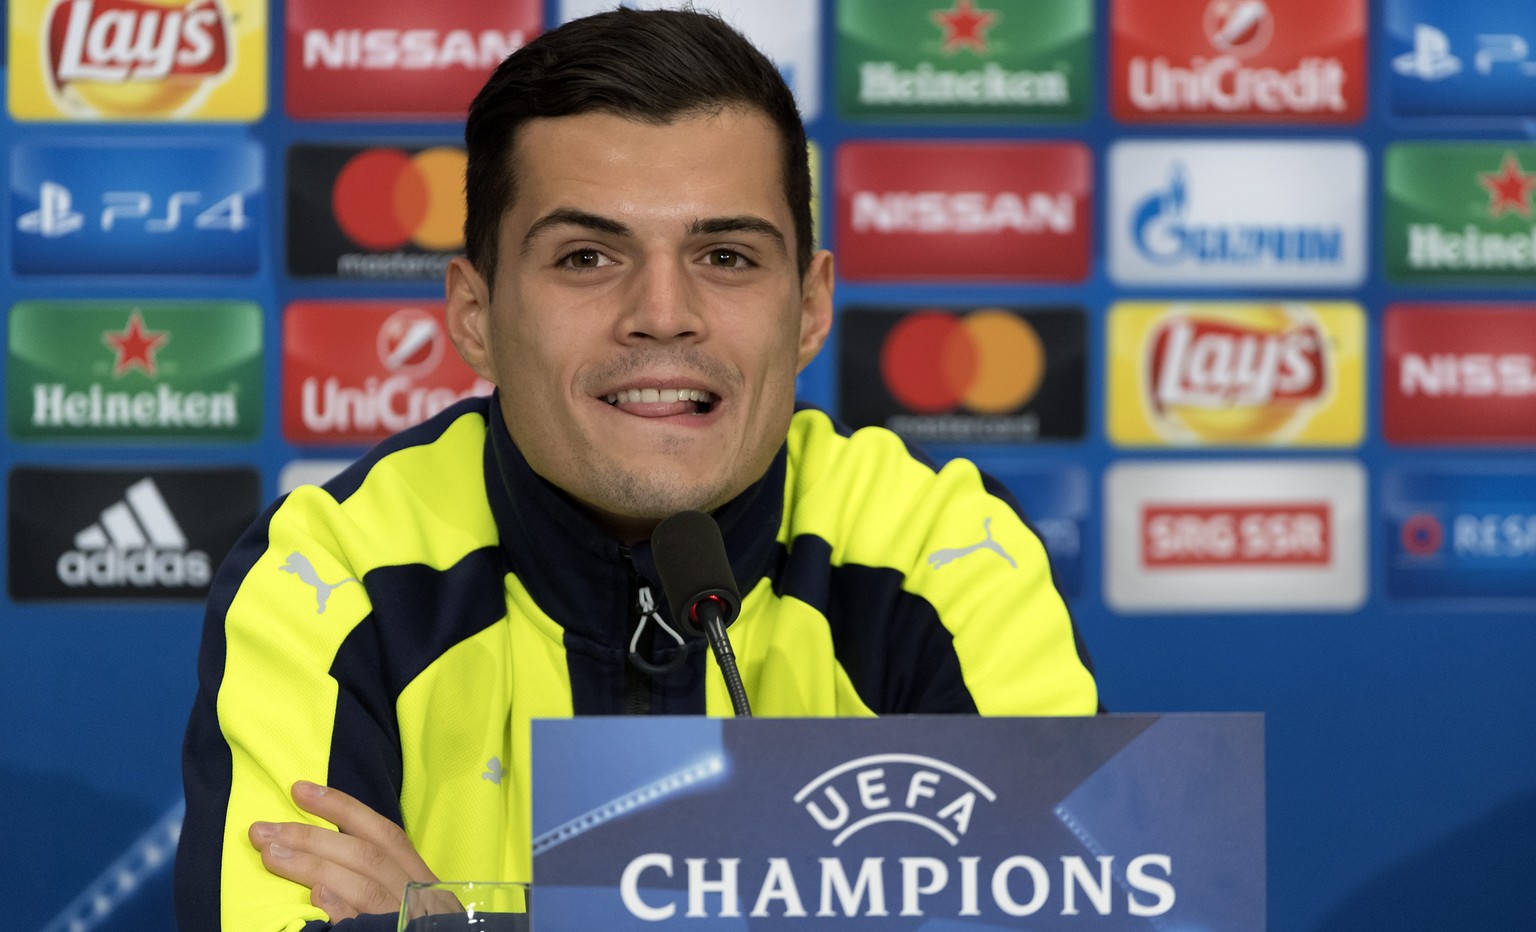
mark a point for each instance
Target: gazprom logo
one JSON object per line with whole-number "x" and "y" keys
{"x": 881, "y": 788}
{"x": 1245, "y": 213}
{"x": 1163, "y": 234}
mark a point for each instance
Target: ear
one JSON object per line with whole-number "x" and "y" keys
{"x": 815, "y": 307}
{"x": 469, "y": 315}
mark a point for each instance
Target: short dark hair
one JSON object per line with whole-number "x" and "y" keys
{"x": 652, "y": 65}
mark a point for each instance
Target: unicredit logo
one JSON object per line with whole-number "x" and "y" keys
{"x": 411, "y": 342}
{"x": 1303, "y": 60}
{"x": 1240, "y": 27}
{"x": 412, "y": 373}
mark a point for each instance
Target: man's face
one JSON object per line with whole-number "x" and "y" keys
{"x": 648, "y": 319}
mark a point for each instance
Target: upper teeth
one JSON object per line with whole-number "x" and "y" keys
{"x": 664, "y": 395}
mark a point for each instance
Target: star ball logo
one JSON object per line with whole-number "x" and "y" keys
{"x": 921, "y": 58}
{"x": 134, "y": 60}
{"x": 990, "y": 375}
{"x": 374, "y": 213}
{"x": 1460, "y": 212}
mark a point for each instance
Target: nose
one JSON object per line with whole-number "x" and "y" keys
{"x": 661, "y": 304}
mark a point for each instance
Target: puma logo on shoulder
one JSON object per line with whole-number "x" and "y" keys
{"x": 940, "y": 557}
{"x": 299, "y": 565}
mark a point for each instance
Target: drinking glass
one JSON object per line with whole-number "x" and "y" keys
{"x": 464, "y": 906}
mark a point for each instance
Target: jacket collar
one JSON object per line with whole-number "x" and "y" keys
{"x": 582, "y": 577}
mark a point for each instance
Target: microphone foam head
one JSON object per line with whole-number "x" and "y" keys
{"x": 692, "y": 562}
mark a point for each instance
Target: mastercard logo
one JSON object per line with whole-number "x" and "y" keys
{"x": 987, "y": 362}
{"x": 386, "y": 198}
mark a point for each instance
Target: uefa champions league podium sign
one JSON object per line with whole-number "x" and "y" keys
{"x": 941, "y": 824}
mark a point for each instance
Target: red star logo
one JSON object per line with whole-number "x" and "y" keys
{"x": 964, "y": 25}
{"x": 1509, "y": 188}
{"x": 135, "y": 346}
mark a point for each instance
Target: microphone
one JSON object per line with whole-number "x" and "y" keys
{"x": 696, "y": 575}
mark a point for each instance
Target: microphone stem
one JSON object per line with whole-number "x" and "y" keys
{"x": 714, "y": 632}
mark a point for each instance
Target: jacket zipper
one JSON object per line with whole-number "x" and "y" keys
{"x": 637, "y": 683}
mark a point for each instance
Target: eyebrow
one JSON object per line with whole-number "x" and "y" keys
{"x": 597, "y": 223}
{"x": 570, "y": 216}
{"x": 745, "y": 223}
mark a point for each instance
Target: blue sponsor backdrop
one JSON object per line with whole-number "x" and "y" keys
{"x": 1401, "y": 776}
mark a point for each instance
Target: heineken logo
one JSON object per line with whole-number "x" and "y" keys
{"x": 135, "y": 345}
{"x": 917, "y": 57}
{"x": 964, "y": 26}
{"x": 134, "y": 371}
{"x": 1460, "y": 212}
{"x": 1509, "y": 188}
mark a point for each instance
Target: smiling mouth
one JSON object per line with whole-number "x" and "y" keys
{"x": 695, "y": 400}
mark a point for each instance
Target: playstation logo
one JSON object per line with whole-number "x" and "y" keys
{"x": 1503, "y": 49}
{"x": 1431, "y": 58}
{"x": 54, "y": 216}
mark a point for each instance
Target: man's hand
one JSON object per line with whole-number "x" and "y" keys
{"x": 363, "y": 868}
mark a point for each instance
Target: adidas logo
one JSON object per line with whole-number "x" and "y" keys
{"x": 136, "y": 542}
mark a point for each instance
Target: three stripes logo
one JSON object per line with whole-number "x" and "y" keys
{"x": 123, "y": 534}
{"x": 136, "y": 542}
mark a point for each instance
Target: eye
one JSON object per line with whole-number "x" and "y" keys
{"x": 585, "y": 259}
{"x": 728, "y": 259}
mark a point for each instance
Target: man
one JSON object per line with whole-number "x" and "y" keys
{"x": 641, "y": 287}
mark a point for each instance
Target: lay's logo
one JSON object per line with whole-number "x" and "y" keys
{"x": 139, "y": 59}
{"x": 1218, "y": 374}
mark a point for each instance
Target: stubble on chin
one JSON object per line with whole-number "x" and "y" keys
{"x": 653, "y": 494}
